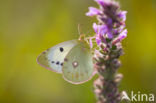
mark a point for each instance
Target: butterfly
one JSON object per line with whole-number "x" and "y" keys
{"x": 73, "y": 59}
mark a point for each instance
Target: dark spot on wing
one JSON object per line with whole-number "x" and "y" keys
{"x": 61, "y": 49}
{"x": 52, "y": 62}
{"x": 65, "y": 59}
{"x": 61, "y": 64}
{"x": 57, "y": 62}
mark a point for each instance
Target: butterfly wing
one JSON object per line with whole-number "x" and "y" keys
{"x": 78, "y": 65}
{"x": 53, "y": 58}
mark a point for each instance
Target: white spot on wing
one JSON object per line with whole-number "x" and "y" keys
{"x": 75, "y": 64}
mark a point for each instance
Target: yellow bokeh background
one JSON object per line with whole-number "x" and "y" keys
{"x": 28, "y": 27}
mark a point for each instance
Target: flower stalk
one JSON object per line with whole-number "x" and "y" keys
{"x": 109, "y": 32}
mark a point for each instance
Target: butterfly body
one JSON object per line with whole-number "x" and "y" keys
{"x": 72, "y": 58}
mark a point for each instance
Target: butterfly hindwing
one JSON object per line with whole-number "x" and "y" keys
{"x": 53, "y": 58}
{"x": 78, "y": 64}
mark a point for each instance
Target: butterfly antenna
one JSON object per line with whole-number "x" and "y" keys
{"x": 79, "y": 31}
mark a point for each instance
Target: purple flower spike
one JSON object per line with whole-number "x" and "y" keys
{"x": 103, "y": 2}
{"x": 95, "y": 27}
{"x": 102, "y": 38}
{"x": 111, "y": 21}
{"x": 109, "y": 28}
{"x": 98, "y": 40}
{"x": 93, "y": 11}
{"x": 122, "y": 15}
{"x": 100, "y": 2}
{"x": 109, "y": 33}
{"x": 102, "y": 30}
{"x": 122, "y": 35}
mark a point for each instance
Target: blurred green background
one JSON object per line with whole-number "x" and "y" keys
{"x": 28, "y": 27}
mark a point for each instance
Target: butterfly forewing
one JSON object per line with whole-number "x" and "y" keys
{"x": 78, "y": 64}
{"x": 53, "y": 58}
